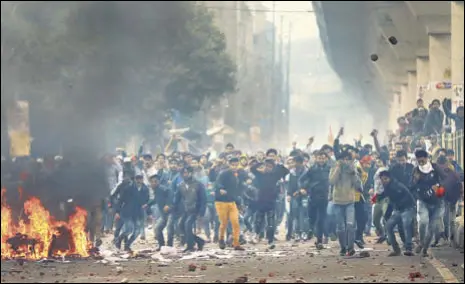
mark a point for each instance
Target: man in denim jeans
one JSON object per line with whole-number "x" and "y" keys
{"x": 430, "y": 204}
{"x": 316, "y": 182}
{"x": 163, "y": 204}
{"x": 403, "y": 203}
{"x": 298, "y": 214}
{"x": 345, "y": 180}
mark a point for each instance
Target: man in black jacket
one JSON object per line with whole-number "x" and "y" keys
{"x": 298, "y": 199}
{"x": 164, "y": 202}
{"x": 402, "y": 171}
{"x": 316, "y": 182}
{"x": 267, "y": 176}
{"x": 435, "y": 119}
{"x": 192, "y": 196}
{"x": 133, "y": 200}
{"x": 229, "y": 188}
{"x": 403, "y": 203}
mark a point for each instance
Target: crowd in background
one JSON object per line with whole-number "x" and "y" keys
{"x": 411, "y": 186}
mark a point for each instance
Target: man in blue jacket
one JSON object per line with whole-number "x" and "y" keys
{"x": 403, "y": 203}
{"x": 191, "y": 195}
{"x": 164, "y": 203}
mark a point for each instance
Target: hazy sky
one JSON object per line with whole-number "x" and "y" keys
{"x": 303, "y": 22}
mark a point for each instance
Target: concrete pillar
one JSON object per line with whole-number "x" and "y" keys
{"x": 404, "y": 100}
{"x": 394, "y": 111}
{"x": 439, "y": 67}
{"x": 422, "y": 77}
{"x": 457, "y": 50}
{"x": 412, "y": 91}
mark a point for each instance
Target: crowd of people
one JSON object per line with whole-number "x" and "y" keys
{"x": 411, "y": 186}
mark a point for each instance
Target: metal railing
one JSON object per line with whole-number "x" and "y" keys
{"x": 453, "y": 141}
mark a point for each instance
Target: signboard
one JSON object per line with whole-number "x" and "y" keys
{"x": 18, "y": 129}
{"x": 442, "y": 85}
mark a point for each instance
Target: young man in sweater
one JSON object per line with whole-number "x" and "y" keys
{"x": 345, "y": 181}
{"x": 229, "y": 188}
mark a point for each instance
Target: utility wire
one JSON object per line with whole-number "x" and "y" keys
{"x": 259, "y": 10}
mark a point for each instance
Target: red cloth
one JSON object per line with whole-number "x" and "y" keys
{"x": 374, "y": 199}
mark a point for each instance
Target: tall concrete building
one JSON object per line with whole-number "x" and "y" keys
{"x": 248, "y": 42}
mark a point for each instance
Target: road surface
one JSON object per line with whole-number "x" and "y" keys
{"x": 289, "y": 263}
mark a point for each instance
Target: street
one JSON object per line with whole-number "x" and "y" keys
{"x": 289, "y": 263}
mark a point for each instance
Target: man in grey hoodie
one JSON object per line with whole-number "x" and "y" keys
{"x": 345, "y": 180}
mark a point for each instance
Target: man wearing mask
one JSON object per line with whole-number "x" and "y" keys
{"x": 266, "y": 177}
{"x": 316, "y": 182}
{"x": 229, "y": 188}
{"x": 403, "y": 203}
{"x": 191, "y": 195}
{"x": 426, "y": 188}
{"x": 164, "y": 203}
{"x": 344, "y": 178}
{"x": 298, "y": 199}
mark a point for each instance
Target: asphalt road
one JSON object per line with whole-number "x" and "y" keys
{"x": 289, "y": 263}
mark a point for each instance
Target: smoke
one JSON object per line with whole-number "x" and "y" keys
{"x": 83, "y": 68}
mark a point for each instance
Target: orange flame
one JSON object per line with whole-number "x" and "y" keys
{"x": 39, "y": 225}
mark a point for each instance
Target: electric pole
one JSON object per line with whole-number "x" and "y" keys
{"x": 288, "y": 81}
{"x": 273, "y": 118}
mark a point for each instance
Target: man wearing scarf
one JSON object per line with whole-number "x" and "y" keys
{"x": 426, "y": 188}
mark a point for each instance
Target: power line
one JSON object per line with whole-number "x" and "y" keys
{"x": 260, "y": 10}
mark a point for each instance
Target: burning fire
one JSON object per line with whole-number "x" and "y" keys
{"x": 37, "y": 235}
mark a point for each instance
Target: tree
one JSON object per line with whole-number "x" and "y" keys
{"x": 92, "y": 63}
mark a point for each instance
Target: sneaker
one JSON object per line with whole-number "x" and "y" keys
{"x": 360, "y": 244}
{"x": 381, "y": 240}
{"x": 222, "y": 244}
{"x": 200, "y": 245}
{"x": 343, "y": 252}
{"x": 319, "y": 246}
{"x": 424, "y": 253}
{"x": 309, "y": 236}
{"x": 215, "y": 239}
{"x": 117, "y": 244}
{"x": 418, "y": 249}
{"x": 142, "y": 238}
{"x": 351, "y": 252}
{"x": 395, "y": 253}
{"x": 325, "y": 241}
{"x": 188, "y": 250}
{"x": 305, "y": 237}
{"x": 297, "y": 238}
{"x": 272, "y": 246}
{"x": 408, "y": 253}
{"x": 333, "y": 237}
{"x": 239, "y": 248}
